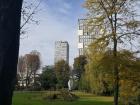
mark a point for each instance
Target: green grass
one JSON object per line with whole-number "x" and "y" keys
{"x": 36, "y": 98}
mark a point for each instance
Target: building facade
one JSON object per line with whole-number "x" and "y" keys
{"x": 61, "y": 51}
{"x": 85, "y": 36}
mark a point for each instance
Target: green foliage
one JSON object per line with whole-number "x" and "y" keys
{"x": 130, "y": 81}
{"x": 79, "y": 68}
{"x": 62, "y": 70}
{"x": 83, "y": 84}
{"x": 48, "y": 78}
{"x": 113, "y": 23}
{"x": 79, "y": 65}
{"x": 99, "y": 72}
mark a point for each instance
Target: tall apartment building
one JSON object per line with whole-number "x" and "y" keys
{"x": 61, "y": 51}
{"x": 85, "y": 37}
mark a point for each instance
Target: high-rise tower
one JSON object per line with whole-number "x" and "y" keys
{"x": 85, "y": 37}
{"x": 61, "y": 51}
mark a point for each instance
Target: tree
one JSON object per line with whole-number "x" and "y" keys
{"x": 62, "y": 70}
{"x": 117, "y": 23}
{"x": 98, "y": 71}
{"x": 21, "y": 71}
{"x": 48, "y": 78}
{"x": 32, "y": 62}
{"x": 28, "y": 66}
{"x": 129, "y": 79}
{"x": 10, "y": 14}
{"x": 79, "y": 65}
{"x": 28, "y": 12}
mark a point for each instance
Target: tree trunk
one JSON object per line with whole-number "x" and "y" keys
{"x": 10, "y": 14}
{"x": 116, "y": 86}
{"x": 116, "y": 71}
{"x": 116, "y": 76}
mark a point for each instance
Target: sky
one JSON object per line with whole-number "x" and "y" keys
{"x": 58, "y": 21}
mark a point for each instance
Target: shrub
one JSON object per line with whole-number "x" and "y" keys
{"x": 51, "y": 97}
{"x": 67, "y": 96}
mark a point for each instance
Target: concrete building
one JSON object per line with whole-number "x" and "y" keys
{"x": 61, "y": 51}
{"x": 85, "y": 36}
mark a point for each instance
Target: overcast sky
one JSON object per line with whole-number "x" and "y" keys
{"x": 58, "y": 21}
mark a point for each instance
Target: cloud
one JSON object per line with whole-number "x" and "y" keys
{"x": 59, "y": 7}
{"x": 55, "y": 25}
{"x": 65, "y": 8}
{"x": 67, "y": 5}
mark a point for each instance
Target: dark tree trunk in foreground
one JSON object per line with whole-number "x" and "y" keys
{"x": 10, "y": 13}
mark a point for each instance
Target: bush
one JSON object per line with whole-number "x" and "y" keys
{"x": 63, "y": 95}
{"x": 51, "y": 96}
{"x": 67, "y": 96}
{"x": 135, "y": 100}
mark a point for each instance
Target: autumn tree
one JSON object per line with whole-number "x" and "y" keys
{"x": 32, "y": 62}
{"x": 117, "y": 24}
{"x": 98, "y": 71}
{"x": 129, "y": 78}
{"x": 10, "y": 15}
{"x": 62, "y": 70}
{"x": 21, "y": 71}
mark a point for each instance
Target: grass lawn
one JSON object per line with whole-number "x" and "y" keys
{"x": 36, "y": 98}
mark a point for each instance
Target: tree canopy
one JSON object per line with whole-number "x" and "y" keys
{"x": 115, "y": 23}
